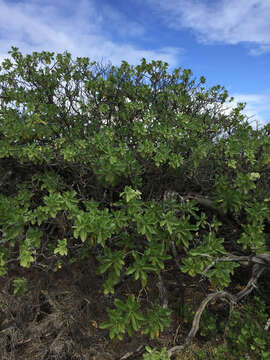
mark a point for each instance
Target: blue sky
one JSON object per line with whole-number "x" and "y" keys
{"x": 227, "y": 41}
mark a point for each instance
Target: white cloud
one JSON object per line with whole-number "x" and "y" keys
{"x": 119, "y": 24}
{"x": 78, "y": 27}
{"x": 227, "y": 21}
{"x": 257, "y": 108}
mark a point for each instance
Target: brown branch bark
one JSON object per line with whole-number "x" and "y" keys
{"x": 163, "y": 294}
{"x": 260, "y": 263}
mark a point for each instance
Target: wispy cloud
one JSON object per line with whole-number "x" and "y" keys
{"x": 257, "y": 108}
{"x": 226, "y": 21}
{"x": 118, "y": 23}
{"x": 78, "y": 27}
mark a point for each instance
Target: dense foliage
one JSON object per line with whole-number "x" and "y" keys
{"x": 140, "y": 167}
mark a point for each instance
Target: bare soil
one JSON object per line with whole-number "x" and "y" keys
{"x": 59, "y": 316}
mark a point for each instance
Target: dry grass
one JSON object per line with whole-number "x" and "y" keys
{"x": 191, "y": 353}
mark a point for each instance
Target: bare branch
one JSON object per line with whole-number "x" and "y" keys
{"x": 163, "y": 294}
{"x": 257, "y": 271}
{"x": 260, "y": 262}
{"x": 262, "y": 259}
{"x": 222, "y": 295}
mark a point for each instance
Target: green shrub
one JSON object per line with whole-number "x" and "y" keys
{"x": 87, "y": 156}
{"x": 153, "y": 354}
{"x": 246, "y": 334}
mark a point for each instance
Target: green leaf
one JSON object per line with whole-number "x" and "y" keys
{"x": 61, "y": 248}
{"x": 83, "y": 235}
{"x": 105, "y": 325}
{"x": 20, "y": 286}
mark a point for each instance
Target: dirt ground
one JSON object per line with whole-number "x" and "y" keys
{"x": 59, "y": 315}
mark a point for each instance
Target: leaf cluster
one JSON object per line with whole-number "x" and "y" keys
{"x": 87, "y": 154}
